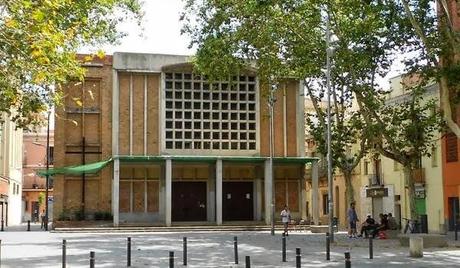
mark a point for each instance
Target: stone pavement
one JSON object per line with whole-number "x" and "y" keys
{"x": 207, "y": 249}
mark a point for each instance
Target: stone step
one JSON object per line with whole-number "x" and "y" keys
{"x": 206, "y": 228}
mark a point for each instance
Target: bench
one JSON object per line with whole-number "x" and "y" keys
{"x": 317, "y": 229}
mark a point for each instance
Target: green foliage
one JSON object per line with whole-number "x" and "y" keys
{"x": 65, "y": 215}
{"x": 41, "y": 198}
{"x": 103, "y": 215}
{"x": 286, "y": 39}
{"x": 79, "y": 215}
{"x": 38, "y": 44}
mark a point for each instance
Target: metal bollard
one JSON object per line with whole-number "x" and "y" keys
{"x": 235, "y": 248}
{"x": 328, "y": 247}
{"x": 283, "y": 248}
{"x": 0, "y": 253}
{"x": 28, "y": 226}
{"x": 248, "y": 262}
{"x": 297, "y": 258}
{"x": 185, "y": 251}
{"x": 128, "y": 252}
{"x": 171, "y": 259}
{"x": 371, "y": 248}
{"x": 3, "y": 223}
{"x": 64, "y": 249}
{"x": 347, "y": 260}
{"x": 92, "y": 259}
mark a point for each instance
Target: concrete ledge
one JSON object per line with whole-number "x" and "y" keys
{"x": 317, "y": 229}
{"x": 429, "y": 240}
{"x": 392, "y": 234}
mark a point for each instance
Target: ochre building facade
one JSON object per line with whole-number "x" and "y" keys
{"x": 180, "y": 149}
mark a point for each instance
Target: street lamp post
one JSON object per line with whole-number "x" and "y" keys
{"x": 271, "y": 103}
{"x": 329, "y": 153}
{"x": 47, "y": 169}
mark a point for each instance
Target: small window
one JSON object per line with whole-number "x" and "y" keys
{"x": 325, "y": 204}
{"x": 451, "y": 148}
{"x": 434, "y": 156}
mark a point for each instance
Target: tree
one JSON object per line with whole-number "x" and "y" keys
{"x": 434, "y": 36}
{"x": 38, "y": 44}
{"x": 286, "y": 39}
{"x": 405, "y": 130}
{"x": 347, "y": 133}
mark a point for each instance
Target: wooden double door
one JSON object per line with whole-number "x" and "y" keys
{"x": 237, "y": 201}
{"x": 188, "y": 201}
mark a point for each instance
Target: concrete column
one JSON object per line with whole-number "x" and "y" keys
{"x": 314, "y": 192}
{"x": 268, "y": 183}
{"x": 162, "y": 198}
{"x": 116, "y": 192}
{"x": 303, "y": 193}
{"x": 168, "y": 195}
{"x": 211, "y": 190}
{"x": 258, "y": 197}
{"x": 219, "y": 191}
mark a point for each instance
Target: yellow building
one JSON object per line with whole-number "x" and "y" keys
{"x": 385, "y": 191}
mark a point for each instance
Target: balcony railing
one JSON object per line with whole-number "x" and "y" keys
{"x": 375, "y": 179}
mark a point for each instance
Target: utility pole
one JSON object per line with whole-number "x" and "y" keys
{"x": 271, "y": 103}
{"x": 47, "y": 170}
{"x": 329, "y": 153}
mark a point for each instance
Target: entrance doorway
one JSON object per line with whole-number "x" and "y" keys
{"x": 188, "y": 201}
{"x": 237, "y": 201}
{"x": 454, "y": 213}
{"x": 35, "y": 211}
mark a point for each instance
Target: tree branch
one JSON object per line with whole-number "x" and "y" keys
{"x": 419, "y": 31}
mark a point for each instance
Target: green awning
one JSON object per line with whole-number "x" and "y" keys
{"x": 210, "y": 159}
{"x": 75, "y": 170}
{"x": 95, "y": 167}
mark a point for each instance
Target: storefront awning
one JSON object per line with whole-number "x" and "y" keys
{"x": 95, "y": 167}
{"x": 75, "y": 170}
{"x": 210, "y": 159}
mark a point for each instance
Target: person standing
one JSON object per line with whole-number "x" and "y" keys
{"x": 285, "y": 217}
{"x": 352, "y": 219}
{"x": 42, "y": 220}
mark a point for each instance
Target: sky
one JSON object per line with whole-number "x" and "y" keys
{"x": 161, "y": 31}
{"x": 161, "y": 34}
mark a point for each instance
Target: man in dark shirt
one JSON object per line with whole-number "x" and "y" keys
{"x": 368, "y": 226}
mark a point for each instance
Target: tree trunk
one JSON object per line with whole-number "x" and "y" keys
{"x": 409, "y": 181}
{"x": 349, "y": 191}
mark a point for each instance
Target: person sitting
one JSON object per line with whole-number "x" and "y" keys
{"x": 368, "y": 227}
{"x": 382, "y": 226}
{"x": 392, "y": 225}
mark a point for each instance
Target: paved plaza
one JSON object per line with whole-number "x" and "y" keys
{"x": 207, "y": 249}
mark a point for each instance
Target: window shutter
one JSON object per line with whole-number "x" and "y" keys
{"x": 451, "y": 148}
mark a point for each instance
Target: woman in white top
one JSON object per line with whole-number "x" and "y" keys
{"x": 285, "y": 217}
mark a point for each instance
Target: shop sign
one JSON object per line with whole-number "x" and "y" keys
{"x": 420, "y": 192}
{"x": 377, "y": 192}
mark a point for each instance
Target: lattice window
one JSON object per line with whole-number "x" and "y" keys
{"x": 210, "y": 116}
